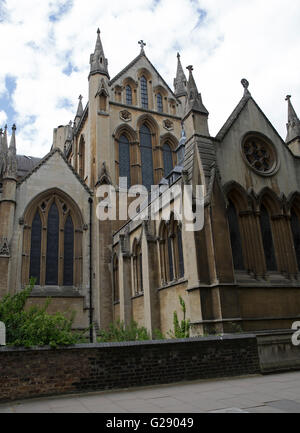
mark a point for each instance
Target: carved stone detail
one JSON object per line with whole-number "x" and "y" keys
{"x": 168, "y": 125}
{"x": 125, "y": 116}
{"x": 4, "y": 248}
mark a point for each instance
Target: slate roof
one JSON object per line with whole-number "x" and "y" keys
{"x": 25, "y": 164}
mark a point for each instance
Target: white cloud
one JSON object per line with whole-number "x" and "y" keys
{"x": 256, "y": 40}
{"x": 3, "y": 117}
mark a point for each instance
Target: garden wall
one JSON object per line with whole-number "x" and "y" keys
{"x": 39, "y": 372}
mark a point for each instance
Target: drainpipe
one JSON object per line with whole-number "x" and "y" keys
{"x": 91, "y": 274}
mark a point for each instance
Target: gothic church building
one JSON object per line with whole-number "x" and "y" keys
{"x": 242, "y": 270}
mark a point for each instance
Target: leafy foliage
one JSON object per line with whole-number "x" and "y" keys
{"x": 118, "y": 332}
{"x": 34, "y": 326}
{"x": 181, "y": 330}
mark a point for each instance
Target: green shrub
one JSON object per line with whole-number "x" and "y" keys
{"x": 118, "y": 332}
{"x": 181, "y": 330}
{"x": 34, "y": 326}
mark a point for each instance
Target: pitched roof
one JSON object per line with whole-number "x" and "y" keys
{"x": 234, "y": 115}
{"x": 134, "y": 61}
{"x": 45, "y": 159}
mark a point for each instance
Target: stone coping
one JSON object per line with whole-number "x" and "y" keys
{"x": 225, "y": 337}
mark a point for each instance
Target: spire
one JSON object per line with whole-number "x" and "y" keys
{"x": 80, "y": 107}
{"x": 11, "y": 167}
{"x": 194, "y": 100}
{"x": 181, "y": 147}
{"x": 98, "y": 60}
{"x": 79, "y": 111}
{"x": 180, "y": 81}
{"x": 293, "y": 125}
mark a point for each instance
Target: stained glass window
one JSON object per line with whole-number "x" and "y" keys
{"x": 35, "y": 250}
{"x": 235, "y": 237}
{"x": 128, "y": 95}
{"x": 124, "y": 159}
{"x": 267, "y": 239}
{"x": 144, "y": 92}
{"x": 159, "y": 103}
{"x": 52, "y": 246}
{"x": 146, "y": 157}
{"x": 168, "y": 159}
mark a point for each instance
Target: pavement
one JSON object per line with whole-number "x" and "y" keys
{"x": 277, "y": 393}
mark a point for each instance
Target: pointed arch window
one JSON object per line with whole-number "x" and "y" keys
{"x": 168, "y": 159}
{"x": 52, "y": 247}
{"x": 82, "y": 158}
{"x": 144, "y": 92}
{"x": 159, "y": 100}
{"x": 124, "y": 159}
{"x": 179, "y": 252}
{"x": 36, "y": 239}
{"x": 146, "y": 156}
{"x": 52, "y": 242}
{"x": 137, "y": 268}
{"x": 235, "y": 237}
{"x": 166, "y": 255}
{"x": 295, "y": 226}
{"x": 128, "y": 95}
{"x": 267, "y": 239}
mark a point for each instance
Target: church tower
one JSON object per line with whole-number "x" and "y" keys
{"x": 98, "y": 151}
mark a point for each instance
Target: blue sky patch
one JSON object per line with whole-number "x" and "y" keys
{"x": 69, "y": 69}
{"x": 202, "y": 14}
{"x": 61, "y": 11}
{"x": 3, "y": 13}
{"x": 6, "y": 103}
{"x": 65, "y": 103}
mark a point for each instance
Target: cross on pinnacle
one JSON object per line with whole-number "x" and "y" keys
{"x": 142, "y": 44}
{"x": 80, "y": 97}
{"x": 190, "y": 68}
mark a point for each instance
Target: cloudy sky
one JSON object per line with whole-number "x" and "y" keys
{"x": 45, "y": 48}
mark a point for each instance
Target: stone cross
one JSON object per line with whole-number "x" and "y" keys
{"x": 2, "y": 334}
{"x": 142, "y": 44}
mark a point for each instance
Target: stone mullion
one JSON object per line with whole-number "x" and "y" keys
{"x": 154, "y": 158}
{"x": 136, "y": 166}
{"x": 158, "y": 164}
{"x": 289, "y": 254}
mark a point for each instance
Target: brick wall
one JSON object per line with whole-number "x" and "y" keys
{"x": 37, "y": 372}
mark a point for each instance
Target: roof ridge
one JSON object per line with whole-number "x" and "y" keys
{"x": 233, "y": 116}
{"x": 142, "y": 54}
{"x": 45, "y": 159}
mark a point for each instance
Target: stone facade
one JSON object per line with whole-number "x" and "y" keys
{"x": 240, "y": 271}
